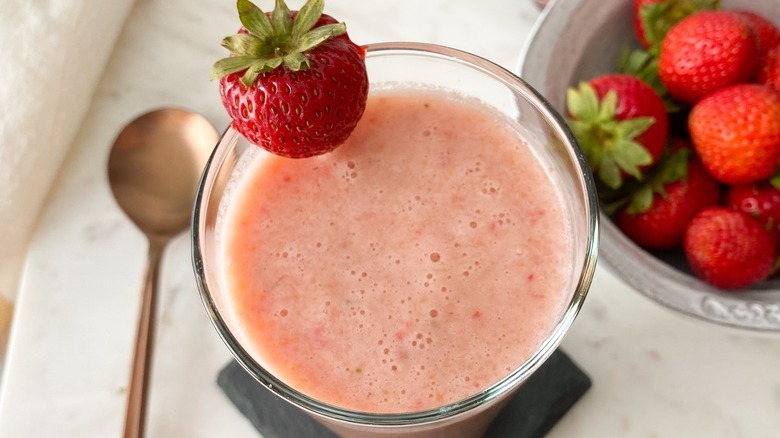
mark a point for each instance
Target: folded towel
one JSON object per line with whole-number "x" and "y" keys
{"x": 539, "y": 403}
{"x": 54, "y": 53}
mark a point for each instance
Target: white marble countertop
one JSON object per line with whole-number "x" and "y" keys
{"x": 655, "y": 373}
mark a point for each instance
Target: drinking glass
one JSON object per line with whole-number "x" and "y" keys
{"x": 410, "y": 66}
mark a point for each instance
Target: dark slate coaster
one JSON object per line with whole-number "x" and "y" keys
{"x": 542, "y": 400}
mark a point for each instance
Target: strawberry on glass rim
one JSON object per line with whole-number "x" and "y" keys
{"x": 294, "y": 84}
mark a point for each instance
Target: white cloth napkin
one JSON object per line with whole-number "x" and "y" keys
{"x": 52, "y": 54}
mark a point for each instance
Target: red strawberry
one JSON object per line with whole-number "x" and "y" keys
{"x": 705, "y": 52}
{"x": 766, "y": 33}
{"x": 654, "y": 18}
{"x": 295, "y": 83}
{"x": 621, "y": 124}
{"x": 736, "y": 132}
{"x": 674, "y": 200}
{"x": 761, "y": 201}
{"x": 769, "y": 70}
{"x": 728, "y": 249}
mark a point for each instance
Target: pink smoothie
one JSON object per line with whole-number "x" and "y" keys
{"x": 414, "y": 266}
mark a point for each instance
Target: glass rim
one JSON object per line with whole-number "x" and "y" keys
{"x": 509, "y": 381}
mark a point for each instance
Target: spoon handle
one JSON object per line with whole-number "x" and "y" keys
{"x": 135, "y": 417}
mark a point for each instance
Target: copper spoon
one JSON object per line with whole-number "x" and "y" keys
{"x": 153, "y": 170}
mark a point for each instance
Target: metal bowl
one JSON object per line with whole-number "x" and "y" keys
{"x": 575, "y": 40}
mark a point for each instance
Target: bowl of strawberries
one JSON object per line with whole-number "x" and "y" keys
{"x": 676, "y": 105}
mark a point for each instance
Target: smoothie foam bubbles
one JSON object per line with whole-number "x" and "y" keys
{"x": 414, "y": 266}
{"x": 347, "y": 389}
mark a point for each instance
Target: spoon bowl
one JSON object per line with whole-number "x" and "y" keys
{"x": 153, "y": 169}
{"x": 154, "y": 166}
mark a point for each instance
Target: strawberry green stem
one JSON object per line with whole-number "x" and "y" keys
{"x": 608, "y": 143}
{"x": 274, "y": 40}
{"x": 657, "y": 18}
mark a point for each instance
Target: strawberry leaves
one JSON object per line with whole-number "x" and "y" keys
{"x": 672, "y": 168}
{"x": 272, "y": 41}
{"x": 644, "y": 65}
{"x": 609, "y": 144}
{"x": 281, "y": 18}
{"x": 657, "y": 18}
{"x": 774, "y": 180}
{"x": 638, "y": 196}
{"x": 254, "y": 20}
